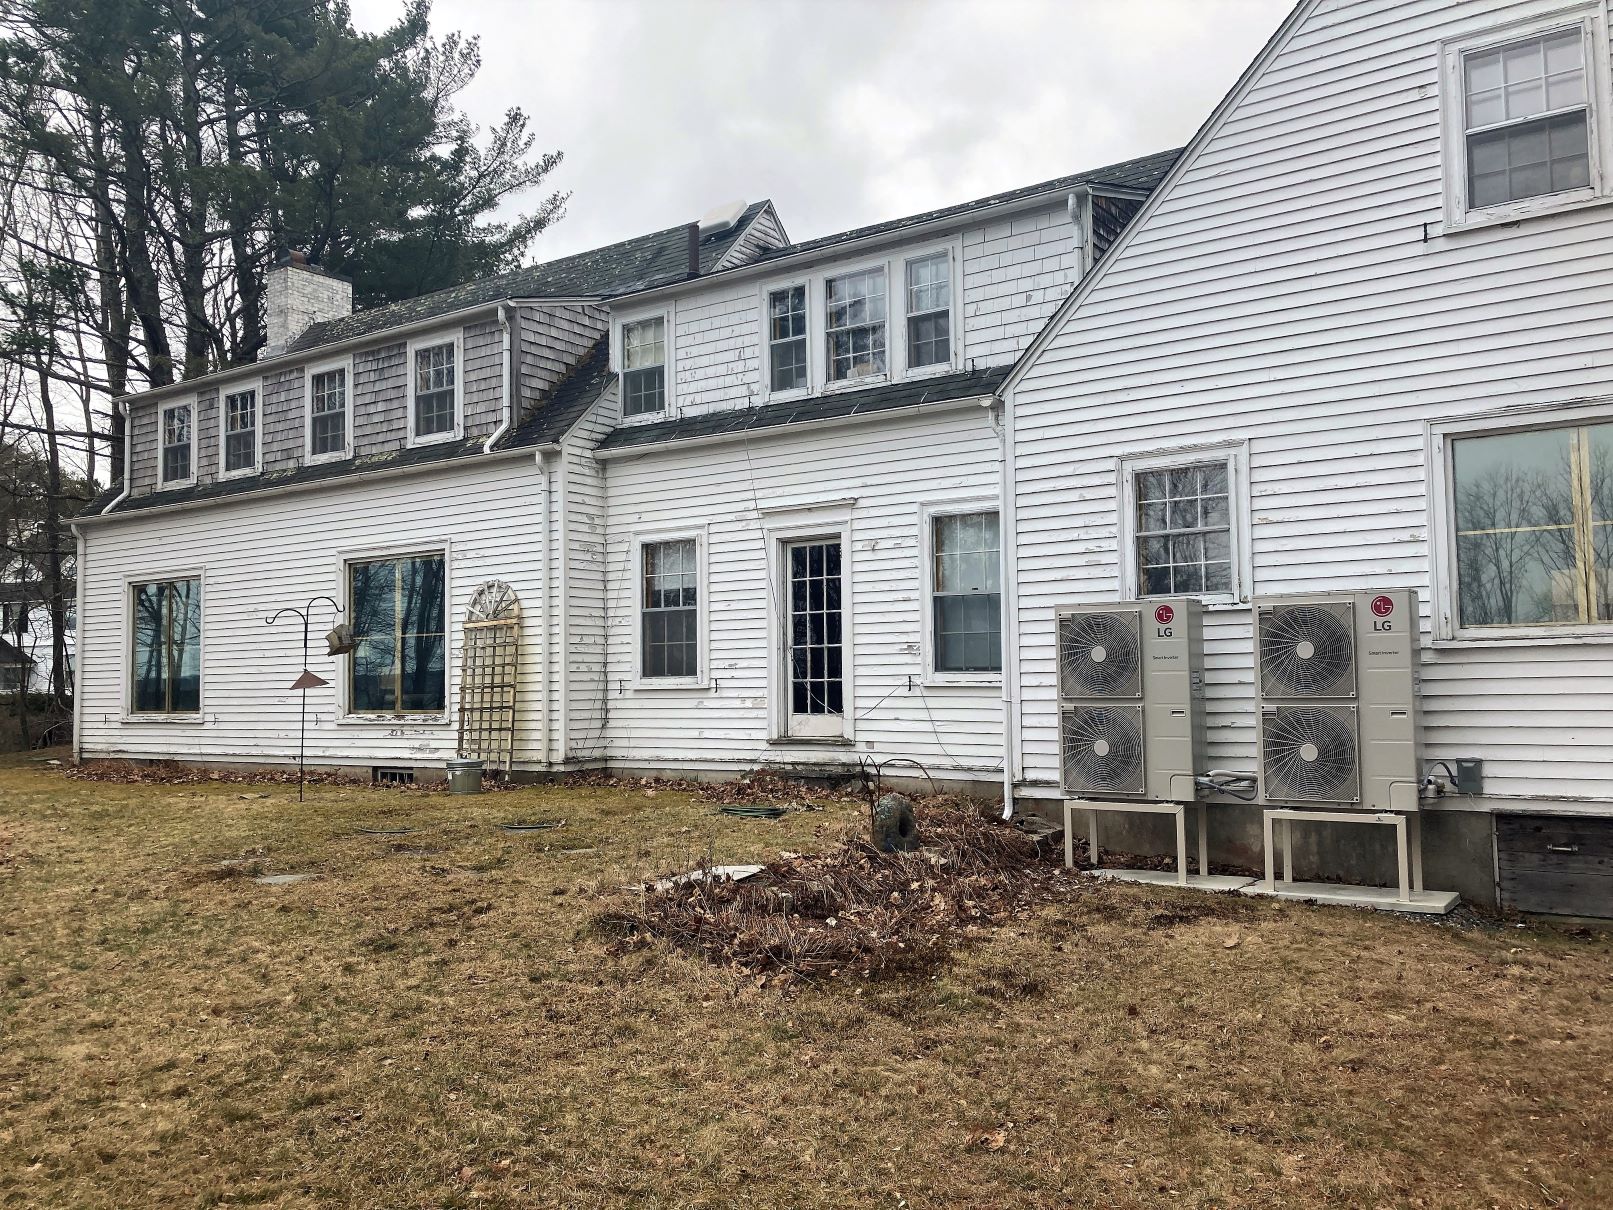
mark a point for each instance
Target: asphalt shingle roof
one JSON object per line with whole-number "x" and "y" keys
{"x": 641, "y": 263}
{"x": 968, "y": 384}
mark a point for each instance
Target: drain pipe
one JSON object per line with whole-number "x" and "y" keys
{"x": 545, "y": 498}
{"x": 78, "y": 631}
{"x": 128, "y": 458}
{"x": 1003, "y": 422}
{"x": 508, "y": 370}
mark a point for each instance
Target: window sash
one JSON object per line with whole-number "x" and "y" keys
{"x": 669, "y": 604}
{"x": 787, "y": 338}
{"x": 644, "y": 366}
{"x": 1182, "y": 529}
{"x": 854, "y": 325}
{"x": 929, "y": 310}
{"x": 398, "y": 611}
{"x": 327, "y": 393}
{"x": 165, "y": 647}
{"x": 1526, "y": 118}
{"x": 966, "y": 597}
{"x": 176, "y": 441}
{"x": 1532, "y": 527}
{"x": 436, "y": 378}
{"x": 240, "y": 431}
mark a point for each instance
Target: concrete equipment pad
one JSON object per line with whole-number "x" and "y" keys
{"x": 1195, "y": 882}
{"x": 1380, "y": 898}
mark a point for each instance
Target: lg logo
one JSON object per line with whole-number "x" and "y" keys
{"x": 1164, "y": 615}
{"x": 1382, "y": 607}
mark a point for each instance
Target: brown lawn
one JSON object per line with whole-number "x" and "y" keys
{"x": 437, "y": 1022}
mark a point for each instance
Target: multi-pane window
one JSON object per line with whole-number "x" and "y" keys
{"x": 240, "y": 431}
{"x": 1534, "y": 527}
{"x": 397, "y": 611}
{"x": 670, "y": 639}
{"x": 967, "y": 593}
{"x": 929, "y": 311}
{"x": 644, "y": 366}
{"x": 854, "y": 322}
{"x": 787, "y": 338}
{"x": 165, "y": 675}
{"x": 327, "y": 412}
{"x": 1183, "y": 530}
{"x": 435, "y": 379}
{"x": 176, "y": 443}
{"x": 1526, "y": 119}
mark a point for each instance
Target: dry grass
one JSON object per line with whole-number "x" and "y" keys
{"x": 434, "y": 1023}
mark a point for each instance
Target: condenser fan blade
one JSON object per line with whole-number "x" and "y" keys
{"x": 1103, "y": 750}
{"x": 1309, "y": 755}
{"x": 1099, "y": 655}
{"x": 1306, "y": 651}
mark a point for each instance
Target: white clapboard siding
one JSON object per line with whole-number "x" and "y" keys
{"x": 586, "y": 585}
{"x": 1282, "y": 292}
{"x": 891, "y": 468}
{"x": 1016, "y": 271}
{"x": 258, "y": 556}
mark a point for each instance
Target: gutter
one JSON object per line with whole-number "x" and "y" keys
{"x": 676, "y": 444}
{"x": 356, "y": 477}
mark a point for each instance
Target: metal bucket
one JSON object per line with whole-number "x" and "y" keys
{"x": 464, "y": 777}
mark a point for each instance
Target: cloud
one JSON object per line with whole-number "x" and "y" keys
{"x": 845, "y": 112}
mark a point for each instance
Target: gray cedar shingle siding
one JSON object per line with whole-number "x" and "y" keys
{"x": 143, "y": 448}
{"x": 554, "y": 342}
{"x": 483, "y": 346}
{"x": 282, "y": 419}
{"x": 207, "y": 436}
{"x": 380, "y": 387}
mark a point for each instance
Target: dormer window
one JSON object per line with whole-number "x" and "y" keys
{"x": 178, "y": 444}
{"x": 327, "y": 412}
{"x": 644, "y": 367}
{"x": 434, "y": 405}
{"x": 1521, "y": 110}
{"x": 854, "y": 324}
{"x": 787, "y": 339}
{"x": 240, "y": 432}
{"x": 929, "y": 311}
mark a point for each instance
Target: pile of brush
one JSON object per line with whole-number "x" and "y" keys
{"x": 853, "y": 911}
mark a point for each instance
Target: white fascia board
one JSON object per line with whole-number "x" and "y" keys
{"x": 1190, "y": 153}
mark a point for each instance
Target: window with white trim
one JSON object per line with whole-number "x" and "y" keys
{"x": 1523, "y": 112}
{"x": 854, "y": 324}
{"x": 644, "y": 366}
{"x": 398, "y": 608}
{"x": 966, "y": 593}
{"x": 434, "y": 410}
{"x": 327, "y": 412}
{"x": 669, "y": 636}
{"x": 787, "y": 338}
{"x": 1532, "y": 518}
{"x": 240, "y": 431}
{"x": 929, "y": 310}
{"x": 165, "y": 648}
{"x": 1183, "y": 528}
{"x": 178, "y": 454}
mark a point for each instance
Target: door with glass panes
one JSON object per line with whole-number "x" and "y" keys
{"x": 815, "y": 691}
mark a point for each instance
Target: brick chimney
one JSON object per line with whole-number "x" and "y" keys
{"x": 297, "y": 295}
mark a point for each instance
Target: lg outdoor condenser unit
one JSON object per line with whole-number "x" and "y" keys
{"x": 1131, "y": 699}
{"x": 1337, "y": 680}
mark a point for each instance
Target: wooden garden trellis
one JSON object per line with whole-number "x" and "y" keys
{"x": 489, "y": 674}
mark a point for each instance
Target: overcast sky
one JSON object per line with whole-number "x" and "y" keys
{"x": 844, "y": 112}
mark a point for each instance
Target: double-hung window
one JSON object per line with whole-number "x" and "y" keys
{"x": 1533, "y": 523}
{"x": 669, "y": 640}
{"x": 434, "y": 410}
{"x": 327, "y": 412}
{"x": 854, "y": 324}
{"x": 399, "y": 663}
{"x": 240, "y": 431}
{"x": 929, "y": 311}
{"x": 178, "y": 443}
{"x": 1527, "y": 119}
{"x": 787, "y": 339}
{"x": 966, "y": 593}
{"x": 165, "y": 651}
{"x": 644, "y": 366}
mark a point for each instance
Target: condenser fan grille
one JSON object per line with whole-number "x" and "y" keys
{"x": 1307, "y": 651}
{"x": 1099, "y": 655}
{"x": 1308, "y": 754}
{"x": 1103, "y": 749}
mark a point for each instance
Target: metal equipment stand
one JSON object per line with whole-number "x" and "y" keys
{"x": 1407, "y": 896}
{"x": 1202, "y": 881}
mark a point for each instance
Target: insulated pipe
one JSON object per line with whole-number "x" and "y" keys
{"x": 509, "y": 381}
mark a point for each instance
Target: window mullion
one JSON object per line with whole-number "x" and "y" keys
{"x": 397, "y": 637}
{"x": 1584, "y": 533}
